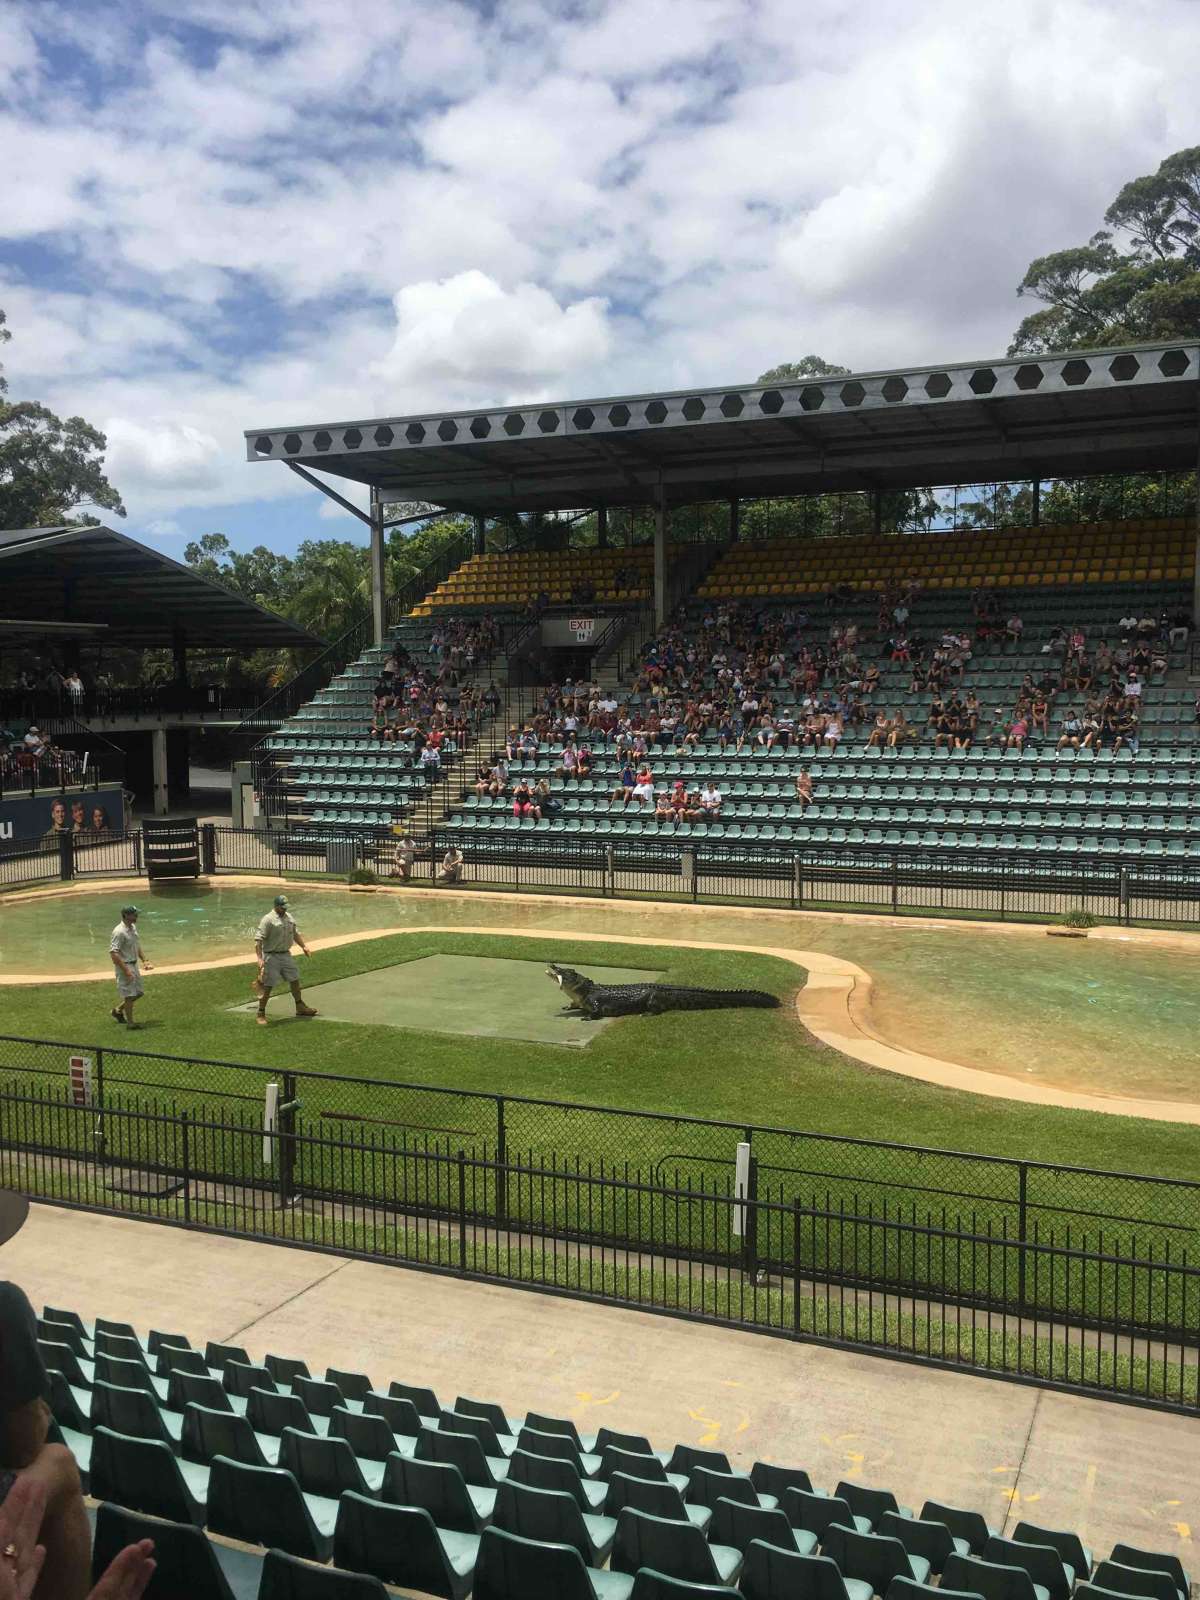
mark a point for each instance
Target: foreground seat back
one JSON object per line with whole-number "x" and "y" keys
{"x": 263, "y": 1506}
{"x": 512, "y": 1568}
{"x": 547, "y": 1472}
{"x": 963, "y": 1524}
{"x": 677, "y": 1548}
{"x": 269, "y": 1412}
{"x": 985, "y": 1578}
{"x": 1069, "y": 1545}
{"x": 651, "y": 1585}
{"x": 185, "y": 1563}
{"x": 320, "y": 1466}
{"x": 545, "y": 1514}
{"x": 207, "y": 1434}
{"x": 401, "y": 1545}
{"x": 867, "y": 1502}
{"x": 400, "y": 1415}
{"x": 933, "y": 1540}
{"x": 1043, "y": 1564}
{"x": 769, "y": 1479}
{"x": 368, "y": 1436}
{"x": 771, "y": 1573}
{"x": 142, "y": 1474}
{"x": 437, "y": 1487}
{"x": 285, "y": 1577}
{"x": 1129, "y": 1555}
{"x": 1134, "y": 1580}
{"x": 872, "y": 1557}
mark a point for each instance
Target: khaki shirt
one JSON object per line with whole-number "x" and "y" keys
{"x": 125, "y": 943}
{"x": 276, "y": 933}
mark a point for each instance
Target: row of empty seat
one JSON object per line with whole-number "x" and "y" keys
{"x": 396, "y": 1488}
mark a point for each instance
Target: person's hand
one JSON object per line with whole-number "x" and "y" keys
{"x": 147, "y": 966}
{"x": 128, "y": 1573}
{"x": 21, "y": 1556}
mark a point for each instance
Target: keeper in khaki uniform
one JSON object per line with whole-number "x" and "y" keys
{"x": 277, "y": 932}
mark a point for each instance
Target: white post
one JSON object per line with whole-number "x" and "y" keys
{"x": 158, "y": 762}
{"x": 378, "y": 592}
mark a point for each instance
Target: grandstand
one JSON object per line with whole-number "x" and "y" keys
{"x": 1110, "y": 411}
{"x": 218, "y": 1457}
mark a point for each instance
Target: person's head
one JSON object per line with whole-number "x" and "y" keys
{"x": 78, "y": 814}
{"x": 281, "y": 905}
{"x": 58, "y": 814}
{"x": 99, "y": 819}
{"x": 129, "y": 916}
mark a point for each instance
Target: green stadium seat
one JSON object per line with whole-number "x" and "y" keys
{"x": 288, "y": 1577}
{"x": 441, "y": 1489}
{"x": 403, "y": 1545}
{"x": 512, "y": 1568}
{"x": 677, "y": 1548}
{"x": 265, "y": 1506}
{"x": 186, "y": 1562}
{"x": 145, "y": 1475}
{"x": 773, "y": 1573}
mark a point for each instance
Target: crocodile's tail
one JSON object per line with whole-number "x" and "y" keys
{"x": 714, "y": 998}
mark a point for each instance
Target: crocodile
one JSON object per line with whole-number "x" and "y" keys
{"x": 597, "y": 1000}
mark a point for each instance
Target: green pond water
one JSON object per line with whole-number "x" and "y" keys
{"x": 1108, "y": 1016}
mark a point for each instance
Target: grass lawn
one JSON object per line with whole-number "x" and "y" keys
{"x": 743, "y": 1066}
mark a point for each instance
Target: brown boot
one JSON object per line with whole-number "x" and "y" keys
{"x": 305, "y": 1011}
{"x": 261, "y": 1019}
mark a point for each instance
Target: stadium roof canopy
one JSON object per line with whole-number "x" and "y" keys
{"x": 146, "y": 600}
{"x": 1127, "y": 410}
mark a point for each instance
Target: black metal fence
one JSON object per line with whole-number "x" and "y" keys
{"x": 1003, "y": 884}
{"x": 983, "y": 883}
{"x": 1079, "y": 1303}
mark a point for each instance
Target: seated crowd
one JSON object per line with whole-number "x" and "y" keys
{"x": 431, "y": 711}
{"x": 33, "y": 757}
{"x": 759, "y": 680}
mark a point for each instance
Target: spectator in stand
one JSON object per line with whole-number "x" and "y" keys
{"x": 900, "y": 731}
{"x": 544, "y": 801}
{"x": 1180, "y": 626}
{"x": 524, "y": 804}
{"x": 73, "y": 684}
{"x": 483, "y": 779}
{"x": 1014, "y": 630}
{"x": 880, "y": 731}
{"x": 430, "y": 761}
{"x": 804, "y": 789}
{"x": 568, "y": 766}
{"x": 583, "y": 762}
{"x": 625, "y": 785}
{"x": 643, "y": 788}
{"x": 1018, "y": 733}
{"x": 711, "y": 801}
{"x": 451, "y": 869}
{"x": 1127, "y": 626}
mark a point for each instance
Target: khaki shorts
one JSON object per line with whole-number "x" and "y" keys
{"x": 280, "y": 969}
{"x": 130, "y": 988}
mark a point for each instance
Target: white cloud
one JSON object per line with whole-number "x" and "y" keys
{"x": 466, "y": 340}
{"x": 168, "y": 455}
{"x": 223, "y": 215}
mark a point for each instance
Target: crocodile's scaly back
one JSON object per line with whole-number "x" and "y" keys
{"x": 597, "y": 1000}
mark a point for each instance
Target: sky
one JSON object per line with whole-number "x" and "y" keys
{"x": 228, "y": 214}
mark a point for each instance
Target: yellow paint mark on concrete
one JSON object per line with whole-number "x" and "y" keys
{"x": 1184, "y": 1530}
{"x": 1004, "y": 1469}
{"x": 742, "y": 1425}
{"x": 586, "y": 1398}
{"x": 698, "y": 1416}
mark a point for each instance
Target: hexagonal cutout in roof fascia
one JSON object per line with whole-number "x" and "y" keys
{"x": 292, "y": 444}
{"x": 385, "y": 436}
{"x": 547, "y": 421}
{"x": 1173, "y": 363}
{"x": 514, "y": 423}
{"x": 1028, "y": 376}
{"x": 583, "y": 418}
{"x": 852, "y": 394}
{"x": 732, "y": 405}
{"x": 1122, "y": 368}
{"x": 656, "y": 412}
{"x": 447, "y": 431}
{"x": 414, "y": 433}
{"x": 812, "y": 398}
{"x": 618, "y": 416}
{"x": 770, "y": 402}
{"x": 982, "y": 380}
{"x": 894, "y": 389}
{"x": 693, "y": 408}
{"x": 480, "y": 427}
{"x": 322, "y": 440}
{"x": 938, "y": 385}
{"x": 352, "y": 438}
{"x": 1075, "y": 372}
{"x": 262, "y": 445}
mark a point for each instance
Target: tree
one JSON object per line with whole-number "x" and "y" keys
{"x": 1137, "y": 279}
{"x": 806, "y": 367}
{"x": 49, "y": 468}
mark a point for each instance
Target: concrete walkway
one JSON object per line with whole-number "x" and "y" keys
{"x": 1108, "y": 1471}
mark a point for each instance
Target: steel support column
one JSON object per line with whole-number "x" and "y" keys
{"x": 877, "y": 511}
{"x": 378, "y": 570}
{"x": 179, "y": 654}
{"x": 735, "y": 520}
{"x": 660, "y": 558}
{"x": 1196, "y": 574}
{"x": 479, "y": 535}
{"x": 158, "y": 763}
{"x": 602, "y": 527}
{"x": 1035, "y": 514}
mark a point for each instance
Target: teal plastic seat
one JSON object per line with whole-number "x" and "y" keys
{"x": 990, "y": 1580}
{"x": 1140, "y": 1581}
{"x": 1041, "y": 1561}
{"x": 207, "y": 1434}
{"x": 133, "y": 1412}
{"x": 659, "y": 1498}
{"x": 553, "y": 1516}
{"x": 676, "y": 1548}
{"x": 286, "y": 1577}
{"x": 772, "y": 1573}
{"x": 512, "y": 1568}
{"x": 403, "y": 1545}
{"x": 869, "y": 1503}
{"x": 1129, "y": 1555}
{"x": 651, "y": 1585}
{"x": 873, "y": 1557}
{"x": 266, "y": 1506}
{"x": 549, "y": 1472}
{"x": 738, "y": 1524}
{"x": 185, "y": 1561}
{"x": 439, "y": 1488}
{"x": 933, "y": 1540}
{"x": 368, "y": 1436}
{"x": 145, "y": 1475}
